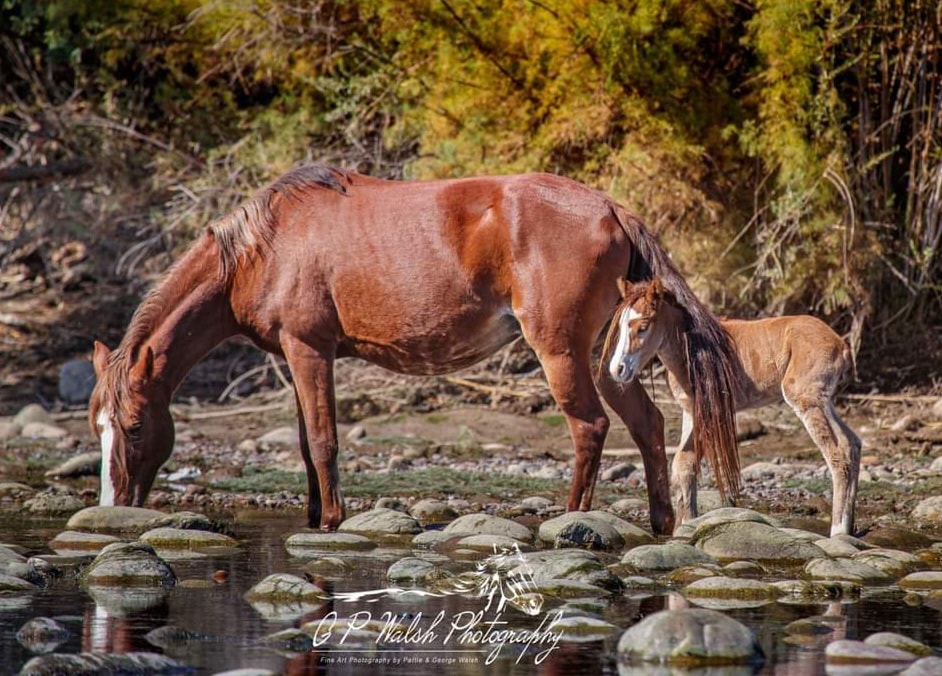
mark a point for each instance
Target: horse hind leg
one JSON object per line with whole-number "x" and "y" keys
{"x": 840, "y": 452}
{"x": 312, "y": 372}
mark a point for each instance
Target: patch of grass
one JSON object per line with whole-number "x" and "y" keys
{"x": 553, "y": 419}
{"x": 264, "y": 480}
{"x": 816, "y": 485}
{"x": 437, "y": 481}
{"x": 422, "y": 483}
{"x": 435, "y": 418}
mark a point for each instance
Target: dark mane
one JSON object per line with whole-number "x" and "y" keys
{"x": 250, "y": 227}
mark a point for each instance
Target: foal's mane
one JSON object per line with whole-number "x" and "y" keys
{"x": 248, "y": 229}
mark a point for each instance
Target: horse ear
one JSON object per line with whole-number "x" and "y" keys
{"x": 143, "y": 369}
{"x": 100, "y": 358}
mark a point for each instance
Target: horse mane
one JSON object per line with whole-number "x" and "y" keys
{"x": 711, "y": 357}
{"x": 250, "y": 227}
{"x": 247, "y": 229}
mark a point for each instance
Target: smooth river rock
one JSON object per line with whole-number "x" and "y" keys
{"x": 284, "y": 587}
{"x": 115, "y": 519}
{"x": 307, "y": 544}
{"x": 381, "y": 522}
{"x": 411, "y": 569}
{"x": 182, "y": 538}
{"x": 858, "y": 653}
{"x": 75, "y": 541}
{"x": 668, "y": 556}
{"x": 691, "y": 637}
{"x": 731, "y": 588}
{"x": 44, "y": 503}
{"x": 567, "y": 564}
{"x": 128, "y": 564}
{"x": 187, "y": 521}
{"x": 845, "y": 569}
{"x": 430, "y": 511}
{"x": 753, "y": 541}
{"x": 83, "y": 464}
{"x": 900, "y": 642}
{"x": 922, "y": 581}
{"x": 486, "y": 524}
{"x": 929, "y": 511}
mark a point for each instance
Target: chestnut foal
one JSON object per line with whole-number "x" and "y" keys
{"x": 422, "y": 277}
{"x": 798, "y": 359}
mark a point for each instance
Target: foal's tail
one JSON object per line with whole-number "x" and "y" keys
{"x": 711, "y": 359}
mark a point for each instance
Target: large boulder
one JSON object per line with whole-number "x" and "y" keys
{"x": 690, "y": 637}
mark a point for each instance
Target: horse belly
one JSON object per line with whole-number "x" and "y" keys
{"x": 430, "y": 348}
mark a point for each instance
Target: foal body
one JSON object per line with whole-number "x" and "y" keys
{"x": 798, "y": 359}
{"x": 421, "y": 277}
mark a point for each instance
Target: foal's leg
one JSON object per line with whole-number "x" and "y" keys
{"x": 313, "y": 376}
{"x": 684, "y": 470}
{"x": 646, "y": 426}
{"x": 840, "y": 452}
{"x": 844, "y": 473}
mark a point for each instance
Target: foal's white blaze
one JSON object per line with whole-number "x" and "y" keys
{"x": 624, "y": 341}
{"x": 106, "y": 430}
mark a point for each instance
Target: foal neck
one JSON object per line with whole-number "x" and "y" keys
{"x": 672, "y": 350}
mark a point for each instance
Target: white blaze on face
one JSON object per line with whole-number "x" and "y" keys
{"x": 106, "y": 430}
{"x": 624, "y": 340}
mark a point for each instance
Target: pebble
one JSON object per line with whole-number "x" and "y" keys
{"x": 618, "y": 471}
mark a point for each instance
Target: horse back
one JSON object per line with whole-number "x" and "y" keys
{"x": 428, "y": 276}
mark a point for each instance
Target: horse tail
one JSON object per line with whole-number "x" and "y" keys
{"x": 712, "y": 363}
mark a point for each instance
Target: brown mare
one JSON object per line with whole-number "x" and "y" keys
{"x": 798, "y": 359}
{"x": 421, "y": 277}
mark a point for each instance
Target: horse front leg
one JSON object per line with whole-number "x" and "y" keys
{"x": 312, "y": 371}
{"x": 646, "y": 426}
{"x": 570, "y": 382}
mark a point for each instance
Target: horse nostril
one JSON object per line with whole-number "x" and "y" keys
{"x": 622, "y": 370}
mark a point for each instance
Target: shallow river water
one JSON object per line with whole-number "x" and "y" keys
{"x": 231, "y": 629}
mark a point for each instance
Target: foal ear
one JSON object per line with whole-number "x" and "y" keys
{"x": 143, "y": 369}
{"x": 624, "y": 286}
{"x": 100, "y": 358}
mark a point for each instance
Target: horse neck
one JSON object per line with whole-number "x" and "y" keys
{"x": 672, "y": 351}
{"x": 186, "y": 316}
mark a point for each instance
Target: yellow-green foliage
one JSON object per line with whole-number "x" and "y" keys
{"x": 763, "y": 140}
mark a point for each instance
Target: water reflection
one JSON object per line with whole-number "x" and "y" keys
{"x": 206, "y": 623}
